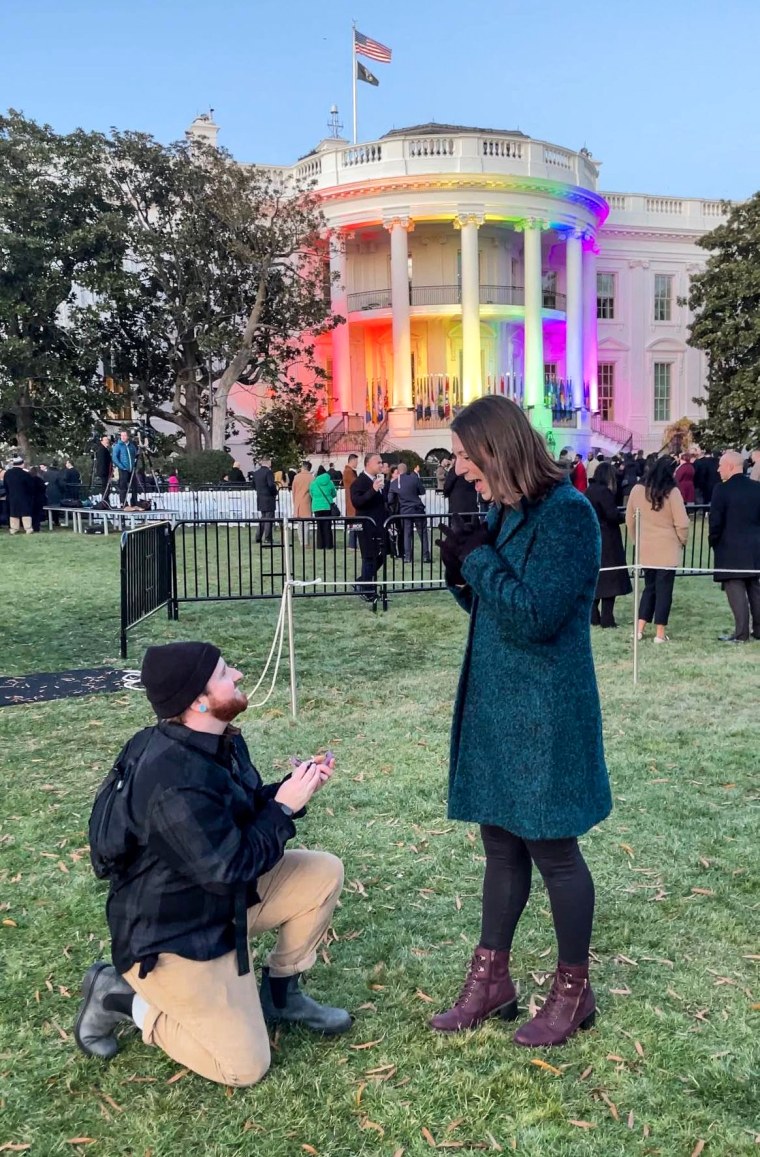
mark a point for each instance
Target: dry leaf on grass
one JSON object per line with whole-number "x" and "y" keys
{"x": 81, "y": 1141}
{"x": 703, "y": 891}
{"x": 429, "y": 1138}
{"x": 583, "y": 1124}
{"x": 365, "y": 1123}
{"x": 14, "y": 1147}
{"x": 611, "y": 1106}
{"x": 178, "y": 1076}
{"x": 638, "y": 1048}
{"x": 398, "y": 1153}
{"x": 424, "y": 996}
{"x": 367, "y": 1044}
{"x": 698, "y": 1148}
{"x": 546, "y": 1067}
{"x": 586, "y": 1073}
{"x": 309, "y": 1149}
{"x": 8, "y": 923}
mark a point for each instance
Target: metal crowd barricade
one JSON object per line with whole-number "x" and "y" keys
{"x": 146, "y": 575}
{"x": 697, "y": 554}
{"x": 326, "y": 554}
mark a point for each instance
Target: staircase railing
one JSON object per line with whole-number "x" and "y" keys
{"x": 614, "y": 431}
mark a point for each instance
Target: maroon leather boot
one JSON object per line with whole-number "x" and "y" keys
{"x": 570, "y": 1006}
{"x": 487, "y": 991}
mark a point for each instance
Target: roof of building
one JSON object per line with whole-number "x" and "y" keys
{"x": 432, "y": 128}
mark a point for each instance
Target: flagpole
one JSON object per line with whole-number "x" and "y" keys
{"x": 353, "y": 71}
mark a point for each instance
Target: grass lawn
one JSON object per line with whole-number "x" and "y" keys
{"x": 672, "y": 1067}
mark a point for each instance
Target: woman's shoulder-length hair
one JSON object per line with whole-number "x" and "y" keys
{"x": 500, "y": 440}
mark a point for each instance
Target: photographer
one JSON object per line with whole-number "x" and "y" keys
{"x": 124, "y": 457}
{"x": 103, "y": 464}
{"x": 193, "y": 844}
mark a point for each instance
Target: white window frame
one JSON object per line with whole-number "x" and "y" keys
{"x": 659, "y": 300}
{"x": 655, "y": 367}
{"x": 610, "y": 417}
{"x": 608, "y": 298}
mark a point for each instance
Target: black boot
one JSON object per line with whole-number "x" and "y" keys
{"x": 283, "y": 1002}
{"x": 107, "y": 997}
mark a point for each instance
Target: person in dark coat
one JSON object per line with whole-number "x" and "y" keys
{"x": 611, "y": 583}
{"x": 266, "y": 501}
{"x": 735, "y": 538}
{"x": 194, "y": 846}
{"x": 103, "y": 464}
{"x": 368, "y": 497}
{"x": 409, "y": 490}
{"x": 685, "y": 479}
{"x": 463, "y": 499}
{"x": 39, "y": 498}
{"x": 19, "y": 489}
{"x": 236, "y": 476}
{"x": 527, "y": 761}
{"x": 706, "y": 476}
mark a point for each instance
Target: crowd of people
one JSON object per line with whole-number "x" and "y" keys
{"x": 26, "y": 490}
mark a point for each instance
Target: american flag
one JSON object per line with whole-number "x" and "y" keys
{"x": 366, "y": 46}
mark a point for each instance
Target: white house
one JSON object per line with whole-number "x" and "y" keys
{"x": 480, "y": 260}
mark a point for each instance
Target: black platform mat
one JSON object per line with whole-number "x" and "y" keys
{"x": 39, "y": 688}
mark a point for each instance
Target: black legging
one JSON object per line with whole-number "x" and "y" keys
{"x": 506, "y": 888}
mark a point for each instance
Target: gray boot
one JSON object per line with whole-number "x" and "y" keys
{"x": 95, "y": 1024}
{"x": 298, "y": 1008}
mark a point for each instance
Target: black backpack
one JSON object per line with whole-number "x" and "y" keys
{"x": 114, "y": 844}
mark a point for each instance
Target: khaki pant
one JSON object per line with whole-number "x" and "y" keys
{"x": 17, "y": 522}
{"x": 205, "y": 1016}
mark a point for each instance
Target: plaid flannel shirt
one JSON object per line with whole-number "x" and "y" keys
{"x": 208, "y": 828}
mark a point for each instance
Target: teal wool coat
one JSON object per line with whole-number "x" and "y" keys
{"x": 526, "y": 739}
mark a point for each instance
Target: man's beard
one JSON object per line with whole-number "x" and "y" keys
{"x": 228, "y": 709}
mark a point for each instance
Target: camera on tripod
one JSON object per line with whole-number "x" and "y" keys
{"x": 145, "y": 436}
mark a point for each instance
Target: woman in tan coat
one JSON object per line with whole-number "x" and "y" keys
{"x": 300, "y": 492}
{"x": 663, "y": 535}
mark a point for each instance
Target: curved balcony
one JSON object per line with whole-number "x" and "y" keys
{"x": 440, "y": 295}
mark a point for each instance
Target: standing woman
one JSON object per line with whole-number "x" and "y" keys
{"x": 527, "y": 762}
{"x": 663, "y": 535}
{"x": 323, "y": 495}
{"x": 611, "y": 583}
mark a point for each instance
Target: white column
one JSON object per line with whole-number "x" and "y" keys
{"x": 534, "y": 327}
{"x": 401, "y": 391}
{"x": 341, "y": 338}
{"x": 472, "y": 385}
{"x": 574, "y": 315}
{"x": 590, "y": 342}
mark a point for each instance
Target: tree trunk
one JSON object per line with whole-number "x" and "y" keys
{"x": 235, "y": 368}
{"x": 23, "y": 412}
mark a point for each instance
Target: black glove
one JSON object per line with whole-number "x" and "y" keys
{"x": 469, "y": 538}
{"x": 452, "y": 572}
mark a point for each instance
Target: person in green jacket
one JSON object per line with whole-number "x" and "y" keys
{"x": 527, "y": 761}
{"x": 323, "y": 494}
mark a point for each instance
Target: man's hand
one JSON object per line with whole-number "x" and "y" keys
{"x": 326, "y": 765}
{"x": 304, "y": 780}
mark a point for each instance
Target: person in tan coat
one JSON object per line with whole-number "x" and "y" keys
{"x": 302, "y": 499}
{"x": 350, "y": 474}
{"x": 664, "y": 532}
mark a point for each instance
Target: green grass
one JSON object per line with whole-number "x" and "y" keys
{"x": 676, "y": 1042}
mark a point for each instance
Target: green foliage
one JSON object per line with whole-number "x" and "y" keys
{"x": 57, "y": 236}
{"x": 199, "y": 469}
{"x": 674, "y": 1051}
{"x": 284, "y": 430}
{"x": 410, "y": 457}
{"x": 725, "y": 298}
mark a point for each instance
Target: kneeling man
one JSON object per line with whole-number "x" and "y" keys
{"x": 193, "y": 844}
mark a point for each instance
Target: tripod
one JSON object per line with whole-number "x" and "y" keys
{"x": 146, "y": 455}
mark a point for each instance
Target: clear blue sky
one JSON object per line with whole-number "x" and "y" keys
{"x": 666, "y": 93}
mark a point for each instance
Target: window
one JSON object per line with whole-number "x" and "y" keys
{"x": 550, "y": 371}
{"x": 662, "y": 391}
{"x": 549, "y": 289}
{"x": 605, "y": 296}
{"x": 663, "y": 287}
{"x": 606, "y": 392}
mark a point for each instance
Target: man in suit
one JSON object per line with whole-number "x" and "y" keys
{"x": 409, "y": 492}
{"x": 463, "y": 499}
{"x": 735, "y": 538}
{"x": 368, "y": 498}
{"x": 266, "y": 500}
{"x": 706, "y": 476}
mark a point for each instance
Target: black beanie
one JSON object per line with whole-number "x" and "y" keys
{"x": 176, "y": 674}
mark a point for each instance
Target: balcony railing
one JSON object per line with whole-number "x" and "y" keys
{"x": 370, "y": 299}
{"x": 434, "y": 295}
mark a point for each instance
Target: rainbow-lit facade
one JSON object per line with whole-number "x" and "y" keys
{"x": 469, "y": 261}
